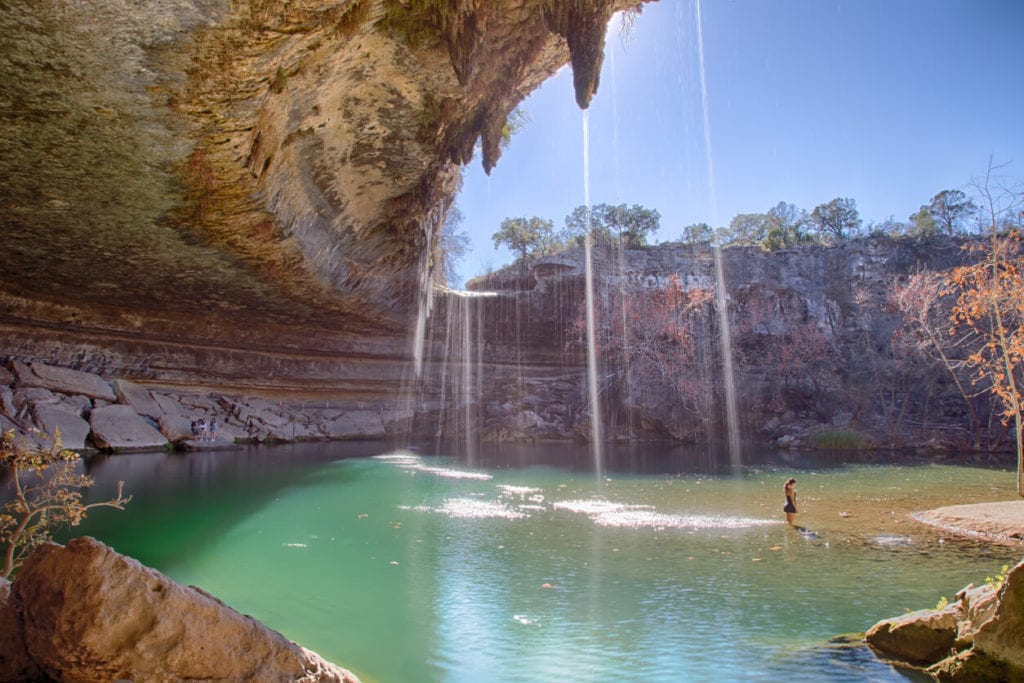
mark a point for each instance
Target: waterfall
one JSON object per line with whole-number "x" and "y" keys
{"x": 721, "y": 303}
{"x": 596, "y": 436}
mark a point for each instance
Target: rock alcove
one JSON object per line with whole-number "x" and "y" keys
{"x": 244, "y": 194}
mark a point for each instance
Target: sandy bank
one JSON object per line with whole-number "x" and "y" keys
{"x": 1000, "y": 522}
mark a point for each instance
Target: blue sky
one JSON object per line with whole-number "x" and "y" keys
{"x": 884, "y": 101}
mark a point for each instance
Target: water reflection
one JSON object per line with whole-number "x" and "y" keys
{"x": 414, "y": 567}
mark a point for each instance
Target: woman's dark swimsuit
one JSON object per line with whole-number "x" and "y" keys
{"x": 790, "y": 505}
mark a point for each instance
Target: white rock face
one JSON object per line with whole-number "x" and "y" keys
{"x": 73, "y": 429}
{"x": 64, "y": 380}
{"x": 119, "y": 426}
{"x": 138, "y": 398}
{"x": 90, "y": 614}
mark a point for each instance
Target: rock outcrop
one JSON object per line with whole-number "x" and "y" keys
{"x": 979, "y": 637}
{"x": 88, "y": 614}
{"x": 244, "y": 194}
{"x": 149, "y": 418}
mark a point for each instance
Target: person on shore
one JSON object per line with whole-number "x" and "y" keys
{"x": 213, "y": 429}
{"x": 790, "y": 509}
{"x": 203, "y": 429}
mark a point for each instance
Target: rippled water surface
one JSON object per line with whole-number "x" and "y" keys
{"x": 409, "y": 568}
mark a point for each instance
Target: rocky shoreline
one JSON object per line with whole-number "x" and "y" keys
{"x": 979, "y": 635}
{"x": 39, "y": 400}
{"x": 1000, "y": 522}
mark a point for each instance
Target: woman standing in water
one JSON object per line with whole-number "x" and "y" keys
{"x": 790, "y": 490}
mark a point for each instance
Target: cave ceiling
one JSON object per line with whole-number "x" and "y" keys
{"x": 259, "y": 159}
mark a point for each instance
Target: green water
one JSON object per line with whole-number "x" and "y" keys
{"x": 671, "y": 568}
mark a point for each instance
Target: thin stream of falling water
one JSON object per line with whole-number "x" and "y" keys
{"x": 468, "y": 400}
{"x": 425, "y": 302}
{"x": 596, "y": 436}
{"x": 725, "y": 333}
{"x": 627, "y": 373}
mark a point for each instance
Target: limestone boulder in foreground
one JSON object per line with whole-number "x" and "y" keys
{"x": 90, "y": 614}
{"x": 980, "y": 637}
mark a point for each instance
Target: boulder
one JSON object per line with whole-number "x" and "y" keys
{"x": 356, "y": 424}
{"x": 138, "y": 398}
{"x": 15, "y": 664}
{"x": 922, "y": 637}
{"x": 175, "y": 427}
{"x": 120, "y": 427}
{"x": 20, "y": 435}
{"x": 169, "y": 405}
{"x": 73, "y": 429}
{"x": 26, "y": 397}
{"x": 1001, "y": 637}
{"x": 985, "y": 643}
{"x": 64, "y": 380}
{"x": 979, "y": 604}
{"x": 90, "y": 614}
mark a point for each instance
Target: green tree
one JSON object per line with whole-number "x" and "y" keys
{"x": 525, "y": 236}
{"x": 948, "y": 212}
{"x": 698, "y": 233}
{"x": 922, "y": 223}
{"x": 889, "y": 227}
{"x": 516, "y": 120}
{"x": 838, "y": 219}
{"x": 746, "y": 229}
{"x": 786, "y": 226}
{"x": 453, "y": 244}
{"x": 47, "y": 495}
{"x": 628, "y": 226}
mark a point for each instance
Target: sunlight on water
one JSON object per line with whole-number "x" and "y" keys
{"x": 415, "y": 463}
{"x": 389, "y": 567}
{"x": 610, "y": 514}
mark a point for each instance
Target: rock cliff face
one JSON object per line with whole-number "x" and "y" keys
{"x": 245, "y": 192}
{"x": 812, "y": 331}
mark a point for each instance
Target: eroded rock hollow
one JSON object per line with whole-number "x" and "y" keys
{"x": 247, "y": 194}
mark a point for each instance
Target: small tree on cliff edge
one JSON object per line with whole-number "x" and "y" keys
{"x": 47, "y": 495}
{"x": 990, "y": 301}
{"x": 525, "y": 236}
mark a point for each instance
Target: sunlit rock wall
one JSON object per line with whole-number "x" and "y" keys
{"x": 812, "y": 331}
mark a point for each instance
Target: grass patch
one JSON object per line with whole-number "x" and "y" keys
{"x": 840, "y": 440}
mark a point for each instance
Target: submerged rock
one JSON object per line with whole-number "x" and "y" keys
{"x": 90, "y": 614}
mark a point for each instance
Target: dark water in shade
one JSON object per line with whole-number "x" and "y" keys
{"x": 673, "y": 567}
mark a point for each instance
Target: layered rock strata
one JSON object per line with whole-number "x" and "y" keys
{"x": 123, "y": 415}
{"x": 85, "y": 613}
